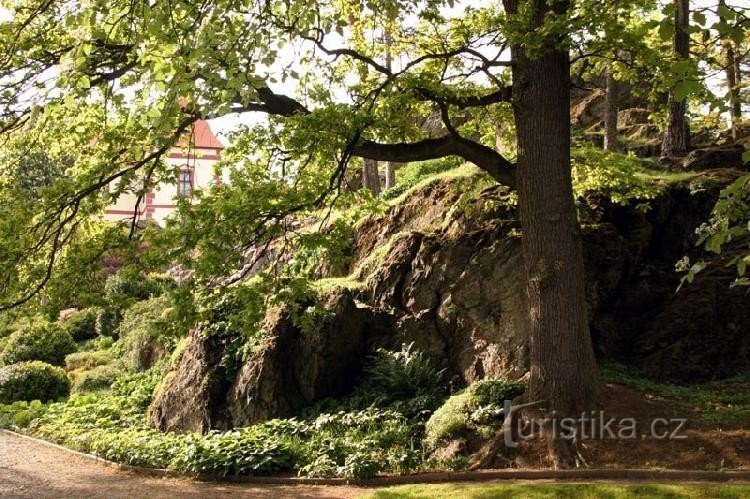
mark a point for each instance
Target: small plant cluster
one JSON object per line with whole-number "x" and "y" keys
{"x": 478, "y": 408}
{"x": 616, "y": 175}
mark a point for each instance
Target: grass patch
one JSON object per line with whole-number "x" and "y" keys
{"x": 556, "y": 491}
{"x": 723, "y": 401}
{"x": 464, "y": 170}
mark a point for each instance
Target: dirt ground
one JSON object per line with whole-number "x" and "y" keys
{"x": 31, "y": 470}
{"x": 699, "y": 446}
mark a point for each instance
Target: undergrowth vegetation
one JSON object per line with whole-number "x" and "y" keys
{"x": 354, "y": 443}
{"x": 721, "y": 401}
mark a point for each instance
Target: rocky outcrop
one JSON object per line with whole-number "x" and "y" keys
{"x": 727, "y": 156}
{"x": 296, "y": 367}
{"x": 451, "y": 281}
{"x": 292, "y": 369}
{"x": 191, "y": 398}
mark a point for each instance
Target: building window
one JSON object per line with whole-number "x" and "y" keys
{"x": 184, "y": 183}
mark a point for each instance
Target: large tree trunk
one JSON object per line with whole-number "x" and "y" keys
{"x": 563, "y": 368}
{"x": 677, "y": 136}
{"x": 610, "y": 113}
{"x": 733, "y": 80}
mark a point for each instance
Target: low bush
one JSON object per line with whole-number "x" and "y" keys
{"x": 32, "y": 381}
{"x": 97, "y": 378}
{"x": 477, "y": 407}
{"x": 403, "y": 381}
{"x": 616, "y": 175}
{"x": 20, "y": 414}
{"x": 107, "y": 320}
{"x": 98, "y": 343}
{"x": 81, "y": 325}
{"x": 130, "y": 284}
{"x": 44, "y": 341}
{"x": 87, "y": 360}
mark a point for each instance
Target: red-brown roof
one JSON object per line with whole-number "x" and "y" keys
{"x": 203, "y": 138}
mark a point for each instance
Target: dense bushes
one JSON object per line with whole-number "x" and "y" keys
{"x": 478, "y": 407}
{"x": 32, "y": 381}
{"x": 44, "y": 341}
{"x": 81, "y": 325}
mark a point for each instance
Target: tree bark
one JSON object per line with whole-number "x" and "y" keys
{"x": 611, "y": 107}
{"x": 563, "y": 371}
{"x": 677, "y": 136}
{"x": 733, "y": 80}
{"x": 390, "y": 174}
{"x": 390, "y": 167}
{"x": 370, "y": 176}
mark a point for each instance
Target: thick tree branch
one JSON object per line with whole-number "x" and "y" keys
{"x": 484, "y": 157}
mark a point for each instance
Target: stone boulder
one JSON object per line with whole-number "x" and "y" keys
{"x": 296, "y": 367}
{"x": 729, "y": 156}
{"x": 191, "y": 398}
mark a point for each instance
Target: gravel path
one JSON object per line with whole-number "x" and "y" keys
{"x": 32, "y": 470}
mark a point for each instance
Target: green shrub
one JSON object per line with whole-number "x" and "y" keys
{"x": 107, "y": 320}
{"x": 98, "y": 378}
{"x": 617, "y": 175}
{"x": 32, "y": 381}
{"x": 145, "y": 333}
{"x": 7, "y": 326}
{"x": 87, "y": 360}
{"x": 127, "y": 286}
{"x": 403, "y": 380}
{"x": 130, "y": 284}
{"x": 81, "y": 325}
{"x": 470, "y": 409}
{"x": 98, "y": 343}
{"x": 403, "y": 374}
{"x": 44, "y": 341}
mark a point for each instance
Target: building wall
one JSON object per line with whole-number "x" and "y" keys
{"x": 158, "y": 204}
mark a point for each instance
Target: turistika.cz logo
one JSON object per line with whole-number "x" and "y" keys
{"x": 594, "y": 425}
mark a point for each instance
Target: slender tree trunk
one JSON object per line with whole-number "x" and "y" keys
{"x": 733, "y": 79}
{"x": 677, "y": 136}
{"x": 390, "y": 174}
{"x": 562, "y": 364}
{"x": 370, "y": 176}
{"x": 611, "y": 106}
{"x": 390, "y": 167}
